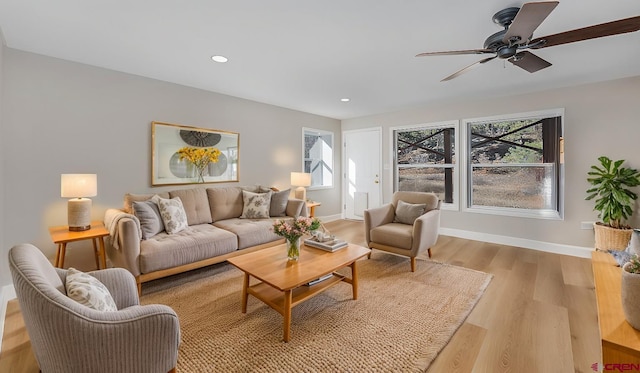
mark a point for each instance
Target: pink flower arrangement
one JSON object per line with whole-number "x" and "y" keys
{"x": 292, "y": 229}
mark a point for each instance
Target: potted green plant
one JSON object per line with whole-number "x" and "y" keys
{"x": 630, "y": 287}
{"x": 613, "y": 200}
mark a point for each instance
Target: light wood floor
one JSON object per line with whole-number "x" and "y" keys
{"x": 537, "y": 315}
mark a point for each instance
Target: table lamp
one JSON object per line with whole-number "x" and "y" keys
{"x": 77, "y": 187}
{"x": 301, "y": 180}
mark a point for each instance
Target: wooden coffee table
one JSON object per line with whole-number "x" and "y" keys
{"x": 284, "y": 283}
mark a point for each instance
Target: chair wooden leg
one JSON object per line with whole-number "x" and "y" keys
{"x": 429, "y": 251}
{"x": 173, "y": 370}
{"x": 413, "y": 264}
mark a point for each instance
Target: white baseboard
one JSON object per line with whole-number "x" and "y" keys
{"x": 6, "y": 294}
{"x": 550, "y": 247}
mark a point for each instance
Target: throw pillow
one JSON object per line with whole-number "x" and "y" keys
{"x": 173, "y": 215}
{"x": 89, "y": 291}
{"x": 150, "y": 219}
{"x": 256, "y": 205}
{"x": 407, "y": 213}
{"x": 279, "y": 202}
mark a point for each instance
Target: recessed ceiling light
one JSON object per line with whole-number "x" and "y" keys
{"x": 221, "y": 59}
{"x": 345, "y": 99}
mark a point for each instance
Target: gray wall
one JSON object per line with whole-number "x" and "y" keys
{"x": 4, "y": 273}
{"x": 600, "y": 119}
{"x": 64, "y": 117}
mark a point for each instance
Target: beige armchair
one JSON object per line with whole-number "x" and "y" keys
{"x": 401, "y": 234}
{"x": 67, "y": 336}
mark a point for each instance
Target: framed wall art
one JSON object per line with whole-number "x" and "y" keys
{"x": 190, "y": 155}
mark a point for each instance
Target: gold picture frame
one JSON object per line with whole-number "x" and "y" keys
{"x": 169, "y": 168}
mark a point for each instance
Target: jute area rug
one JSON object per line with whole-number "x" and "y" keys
{"x": 400, "y": 322}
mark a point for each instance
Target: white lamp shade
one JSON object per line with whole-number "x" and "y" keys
{"x": 301, "y": 179}
{"x": 78, "y": 185}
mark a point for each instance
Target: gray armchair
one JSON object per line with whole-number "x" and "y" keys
{"x": 384, "y": 232}
{"x": 69, "y": 337}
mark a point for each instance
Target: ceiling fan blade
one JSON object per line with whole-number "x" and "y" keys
{"x": 529, "y": 61}
{"x": 621, "y": 26}
{"x": 468, "y": 68}
{"x": 452, "y": 53}
{"x": 529, "y": 17}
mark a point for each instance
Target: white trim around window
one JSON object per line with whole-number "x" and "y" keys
{"x": 465, "y": 176}
{"x": 455, "y": 166}
{"x": 323, "y": 177}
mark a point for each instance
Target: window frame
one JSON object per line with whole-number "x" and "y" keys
{"x": 455, "y": 124}
{"x": 314, "y": 131}
{"x": 558, "y": 213}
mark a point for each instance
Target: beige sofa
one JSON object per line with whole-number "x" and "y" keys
{"x": 216, "y": 230}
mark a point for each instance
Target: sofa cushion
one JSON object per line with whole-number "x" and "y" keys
{"x": 279, "y": 202}
{"x": 255, "y": 205}
{"x": 196, "y": 205}
{"x": 225, "y": 203}
{"x": 88, "y": 291}
{"x": 173, "y": 215}
{"x": 197, "y": 242}
{"x": 250, "y": 232}
{"x": 407, "y": 213}
{"x": 149, "y": 216}
{"x": 296, "y": 207}
{"x": 393, "y": 234}
{"x": 130, "y": 198}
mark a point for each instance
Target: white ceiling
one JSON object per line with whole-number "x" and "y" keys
{"x": 307, "y": 55}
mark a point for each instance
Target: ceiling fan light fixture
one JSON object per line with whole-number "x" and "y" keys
{"x": 519, "y": 25}
{"x": 507, "y": 52}
{"x": 219, "y": 59}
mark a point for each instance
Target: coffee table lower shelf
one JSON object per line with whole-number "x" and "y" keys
{"x": 276, "y": 298}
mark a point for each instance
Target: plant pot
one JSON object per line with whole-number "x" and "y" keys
{"x": 608, "y": 238}
{"x": 630, "y": 289}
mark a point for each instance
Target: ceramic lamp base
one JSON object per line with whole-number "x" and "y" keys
{"x": 301, "y": 193}
{"x": 79, "y": 214}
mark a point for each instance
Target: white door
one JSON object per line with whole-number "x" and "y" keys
{"x": 362, "y": 176}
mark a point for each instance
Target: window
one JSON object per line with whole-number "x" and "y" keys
{"x": 425, "y": 160}
{"x": 513, "y": 164}
{"x": 317, "y": 150}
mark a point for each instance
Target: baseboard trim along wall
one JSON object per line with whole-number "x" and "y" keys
{"x": 579, "y": 251}
{"x": 8, "y": 293}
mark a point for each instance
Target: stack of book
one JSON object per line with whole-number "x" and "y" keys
{"x": 331, "y": 245}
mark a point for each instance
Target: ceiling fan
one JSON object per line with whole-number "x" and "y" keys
{"x": 519, "y": 24}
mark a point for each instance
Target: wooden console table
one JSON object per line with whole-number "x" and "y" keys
{"x": 620, "y": 341}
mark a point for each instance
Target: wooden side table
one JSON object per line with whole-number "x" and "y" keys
{"x": 312, "y": 208}
{"x": 61, "y": 236}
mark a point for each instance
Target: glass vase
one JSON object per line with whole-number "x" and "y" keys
{"x": 201, "y": 171}
{"x": 293, "y": 248}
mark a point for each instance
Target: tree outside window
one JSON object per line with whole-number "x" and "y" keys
{"x": 425, "y": 160}
{"x": 514, "y": 164}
